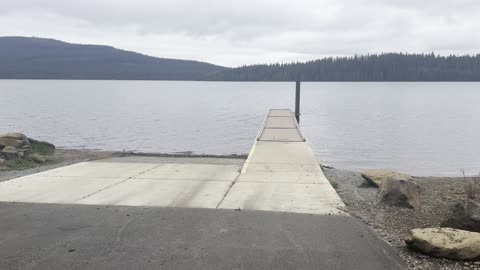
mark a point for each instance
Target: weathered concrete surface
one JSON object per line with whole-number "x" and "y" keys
{"x": 282, "y": 175}
{"x": 282, "y": 153}
{"x": 206, "y": 172}
{"x": 161, "y": 192}
{"x": 280, "y": 126}
{"x": 42, "y": 189}
{"x": 280, "y": 122}
{"x": 41, "y": 236}
{"x": 283, "y": 197}
{"x": 102, "y": 169}
{"x": 140, "y": 181}
{"x": 284, "y": 135}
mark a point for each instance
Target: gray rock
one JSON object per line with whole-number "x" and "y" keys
{"x": 399, "y": 192}
{"x": 15, "y": 140}
{"x": 464, "y": 215}
{"x": 10, "y": 153}
{"x": 445, "y": 243}
{"x": 375, "y": 177}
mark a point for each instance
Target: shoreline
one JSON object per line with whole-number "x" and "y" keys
{"x": 392, "y": 224}
{"x": 64, "y": 157}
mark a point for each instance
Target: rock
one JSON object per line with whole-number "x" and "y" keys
{"x": 2, "y": 160}
{"x": 465, "y": 216}
{"x": 15, "y": 140}
{"x": 37, "y": 158}
{"x": 445, "y": 243}
{"x": 11, "y": 153}
{"x": 399, "y": 192}
{"x": 375, "y": 177}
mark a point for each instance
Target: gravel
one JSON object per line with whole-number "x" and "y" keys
{"x": 393, "y": 224}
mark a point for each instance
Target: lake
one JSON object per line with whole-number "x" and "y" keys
{"x": 417, "y": 128}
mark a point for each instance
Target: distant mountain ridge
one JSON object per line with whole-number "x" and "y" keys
{"x": 40, "y": 58}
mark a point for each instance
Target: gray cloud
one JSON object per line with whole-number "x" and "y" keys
{"x": 245, "y": 32}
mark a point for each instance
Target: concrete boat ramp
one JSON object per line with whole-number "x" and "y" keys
{"x": 176, "y": 213}
{"x": 280, "y": 174}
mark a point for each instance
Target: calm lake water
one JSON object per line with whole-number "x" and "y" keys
{"x": 418, "y": 128}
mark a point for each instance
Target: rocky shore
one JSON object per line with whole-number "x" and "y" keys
{"x": 438, "y": 199}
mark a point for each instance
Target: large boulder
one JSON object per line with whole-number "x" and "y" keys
{"x": 464, "y": 215}
{"x": 15, "y": 146}
{"x": 375, "y": 177}
{"x": 15, "y": 140}
{"x": 445, "y": 243}
{"x": 11, "y": 153}
{"x": 399, "y": 192}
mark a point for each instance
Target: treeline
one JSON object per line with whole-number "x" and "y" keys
{"x": 376, "y": 67}
{"x": 39, "y": 58}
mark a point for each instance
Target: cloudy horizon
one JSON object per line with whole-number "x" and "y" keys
{"x": 235, "y": 33}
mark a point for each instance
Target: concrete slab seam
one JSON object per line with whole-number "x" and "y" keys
{"x": 228, "y": 190}
{"x": 122, "y": 181}
{"x": 183, "y": 179}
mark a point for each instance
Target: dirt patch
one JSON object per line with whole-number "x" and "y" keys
{"x": 393, "y": 224}
{"x": 60, "y": 158}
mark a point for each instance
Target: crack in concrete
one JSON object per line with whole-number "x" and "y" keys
{"x": 122, "y": 181}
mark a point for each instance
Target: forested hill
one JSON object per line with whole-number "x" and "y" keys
{"x": 38, "y": 58}
{"x": 383, "y": 67}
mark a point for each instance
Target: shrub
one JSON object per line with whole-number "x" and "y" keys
{"x": 472, "y": 186}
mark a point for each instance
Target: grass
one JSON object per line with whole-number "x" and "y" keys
{"x": 42, "y": 148}
{"x": 334, "y": 184}
{"x": 20, "y": 164}
{"x": 23, "y": 164}
{"x": 38, "y": 148}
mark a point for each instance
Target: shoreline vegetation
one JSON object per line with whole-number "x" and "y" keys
{"x": 42, "y": 58}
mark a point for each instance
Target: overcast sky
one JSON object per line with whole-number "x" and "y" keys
{"x": 237, "y": 32}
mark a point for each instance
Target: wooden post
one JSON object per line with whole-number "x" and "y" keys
{"x": 297, "y": 98}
